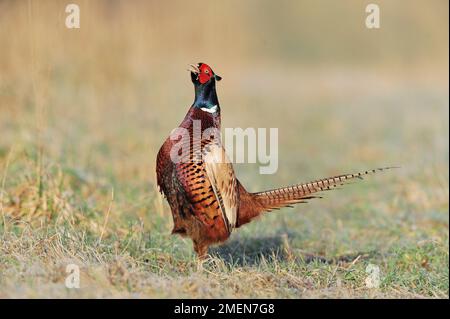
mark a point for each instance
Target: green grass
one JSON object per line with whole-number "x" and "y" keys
{"x": 397, "y": 220}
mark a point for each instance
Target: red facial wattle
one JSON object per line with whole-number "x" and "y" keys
{"x": 205, "y": 73}
{"x": 203, "y": 78}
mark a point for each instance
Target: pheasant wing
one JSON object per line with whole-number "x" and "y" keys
{"x": 223, "y": 181}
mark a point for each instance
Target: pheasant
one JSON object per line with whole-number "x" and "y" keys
{"x": 206, "y": 199}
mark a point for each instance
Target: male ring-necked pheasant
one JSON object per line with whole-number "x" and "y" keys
{"x": 206, "y": 198}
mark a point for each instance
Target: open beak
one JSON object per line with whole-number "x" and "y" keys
{"x": 193, "y": 68}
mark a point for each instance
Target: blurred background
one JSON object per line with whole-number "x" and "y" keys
{"x": 106, "y": 95}
{"x": 84, "y": 111}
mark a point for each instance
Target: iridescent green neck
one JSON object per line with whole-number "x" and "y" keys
{"x": 205, "y": 95}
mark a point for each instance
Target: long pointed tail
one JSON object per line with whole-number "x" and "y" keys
{"x": 300, "y": 193}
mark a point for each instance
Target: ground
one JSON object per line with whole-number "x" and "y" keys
{"x": 87, "y": 196}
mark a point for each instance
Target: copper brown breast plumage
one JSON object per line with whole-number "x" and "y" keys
{"x": 206, "y": 199}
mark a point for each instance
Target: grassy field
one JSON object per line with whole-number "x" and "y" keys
{"x": 82, "y": 116}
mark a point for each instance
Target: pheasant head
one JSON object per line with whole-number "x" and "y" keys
{"x": 202, "y": 74}
{"x": 204, "y": 80}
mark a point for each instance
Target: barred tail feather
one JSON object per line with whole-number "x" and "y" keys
{"x": 300, "y": 193}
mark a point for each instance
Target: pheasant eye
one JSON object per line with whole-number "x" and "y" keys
{"x": 206, "y": 71}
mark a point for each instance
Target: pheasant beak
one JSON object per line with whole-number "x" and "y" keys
{"x": 194, "y": 69}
